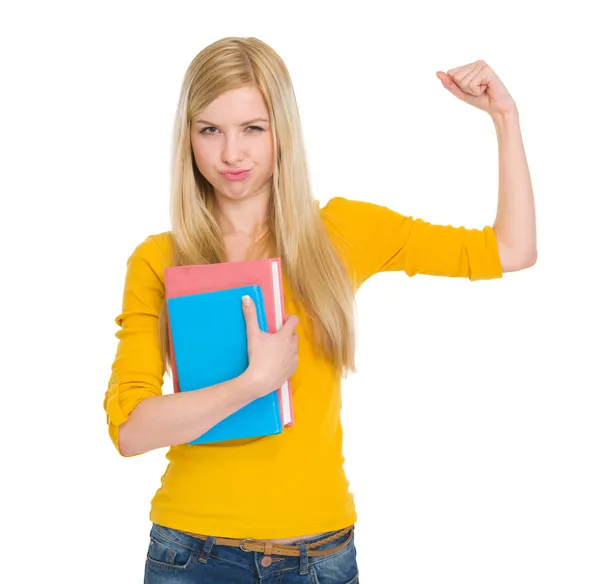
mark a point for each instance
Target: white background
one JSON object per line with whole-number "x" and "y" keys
{"x": 471, "y": 427}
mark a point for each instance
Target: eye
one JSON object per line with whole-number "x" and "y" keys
{"x": 206, "y": 130}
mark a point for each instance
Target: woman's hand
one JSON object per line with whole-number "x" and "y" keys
{"x": 273, "y": 357}
{"x": 478, "y": 85}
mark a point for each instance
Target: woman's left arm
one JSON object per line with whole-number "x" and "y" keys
{"x": 515, "y": 225}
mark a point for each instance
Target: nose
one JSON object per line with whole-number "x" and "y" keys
{"x": 232, "y": 150}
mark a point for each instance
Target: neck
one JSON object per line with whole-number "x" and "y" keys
{"x": 246, "y": 217}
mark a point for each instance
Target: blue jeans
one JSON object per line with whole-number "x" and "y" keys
{"x": 177, "y": 558}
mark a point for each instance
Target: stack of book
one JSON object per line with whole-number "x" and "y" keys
{"x": 208, "y": 339}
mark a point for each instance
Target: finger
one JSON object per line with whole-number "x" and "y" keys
{"x": 249, "y": 311}
{"x": 460, "y": 74}
{"x": 455, "y": 90}
{"x": 472, "y": 81}
{"x": 468, "y": 77}
{"x": 291, "y": 322}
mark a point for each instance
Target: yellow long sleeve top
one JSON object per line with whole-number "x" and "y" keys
{"x": 290, "y": 484}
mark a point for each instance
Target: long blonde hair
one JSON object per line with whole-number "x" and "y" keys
{"x": 317, "y": 276}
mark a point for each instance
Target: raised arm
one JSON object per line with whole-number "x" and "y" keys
{"x": 477, "y": 84}
{"x": 515, "y": 224}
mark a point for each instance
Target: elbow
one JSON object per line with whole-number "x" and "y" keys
{"x": 121, "y": 416}
{"x": 514, "y": 261}
{"x": 123, "y": 440}
{"x": 525, "y": 260}
{"x": 127, "y": 441}
{"x": 531, "y": 259}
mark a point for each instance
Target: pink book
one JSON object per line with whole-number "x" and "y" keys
{"x": 195, "y": 279}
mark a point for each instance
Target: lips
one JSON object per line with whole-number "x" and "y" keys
{"x": 234, "y": 172}
{"x": 238, "y": 176}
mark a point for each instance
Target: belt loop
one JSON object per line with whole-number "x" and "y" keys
{"x": 303, "y": 557}
{"x": 208, "y": 544}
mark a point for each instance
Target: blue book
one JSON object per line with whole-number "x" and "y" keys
{"x": 210, "y": 345}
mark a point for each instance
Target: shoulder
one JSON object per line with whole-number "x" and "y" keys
{"x": 163, "y": 246}
{"x": 154, "y": 253}
{"x": 339, "y": 208}
{"x": 338, "y": 212}
{"x": 348, "y": 220}
{"x": 342, "y": 218}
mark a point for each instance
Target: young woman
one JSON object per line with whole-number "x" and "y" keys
{"x": 277, "y": 508}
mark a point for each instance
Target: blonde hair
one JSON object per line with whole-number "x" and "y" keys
{"x": 316, "y": 274}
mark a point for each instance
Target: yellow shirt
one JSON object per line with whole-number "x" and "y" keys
{"x": 290, "y": 484}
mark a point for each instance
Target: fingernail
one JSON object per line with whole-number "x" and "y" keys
{"x": 246, "y": 300}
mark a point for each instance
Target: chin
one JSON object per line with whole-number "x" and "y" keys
{"x": 233, "y": 196}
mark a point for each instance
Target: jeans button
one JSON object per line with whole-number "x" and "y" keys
{"x": 266, "y": 561}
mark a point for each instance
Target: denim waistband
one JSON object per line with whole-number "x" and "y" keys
{"x": 207, "y": 549}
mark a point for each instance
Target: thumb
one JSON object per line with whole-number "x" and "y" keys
{"x": 441, "y": 76}
{"x": 447, "y": 81}
{"x": 453, "y": 88}
{"x": 249, "y": 310}
{"x": 291, "y": 322}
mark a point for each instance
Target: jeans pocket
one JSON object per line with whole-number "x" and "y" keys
{"x": 339, "y": 567}
{"x": 166, "y": 554}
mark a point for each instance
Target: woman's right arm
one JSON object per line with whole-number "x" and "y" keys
{"x": 139, "y": 417}
{"x": 178, "y": 418}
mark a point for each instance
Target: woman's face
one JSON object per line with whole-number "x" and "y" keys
{"x": 234, "y": 133}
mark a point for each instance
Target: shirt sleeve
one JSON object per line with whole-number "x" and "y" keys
{"x": 374, "y": 238}
{"x": 138, "y": 368}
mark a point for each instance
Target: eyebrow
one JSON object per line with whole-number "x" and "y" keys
{"x": 242, "y": 124}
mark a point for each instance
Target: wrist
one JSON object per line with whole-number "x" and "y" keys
{"x": 509, "y": 116}
{"x": 251, "y": 383}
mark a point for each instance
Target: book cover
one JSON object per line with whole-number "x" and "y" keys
{"x": 210, "y": 345}
{"x": 266, "y": 273}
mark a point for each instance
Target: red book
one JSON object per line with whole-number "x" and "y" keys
{"x": 199, "y": 278}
